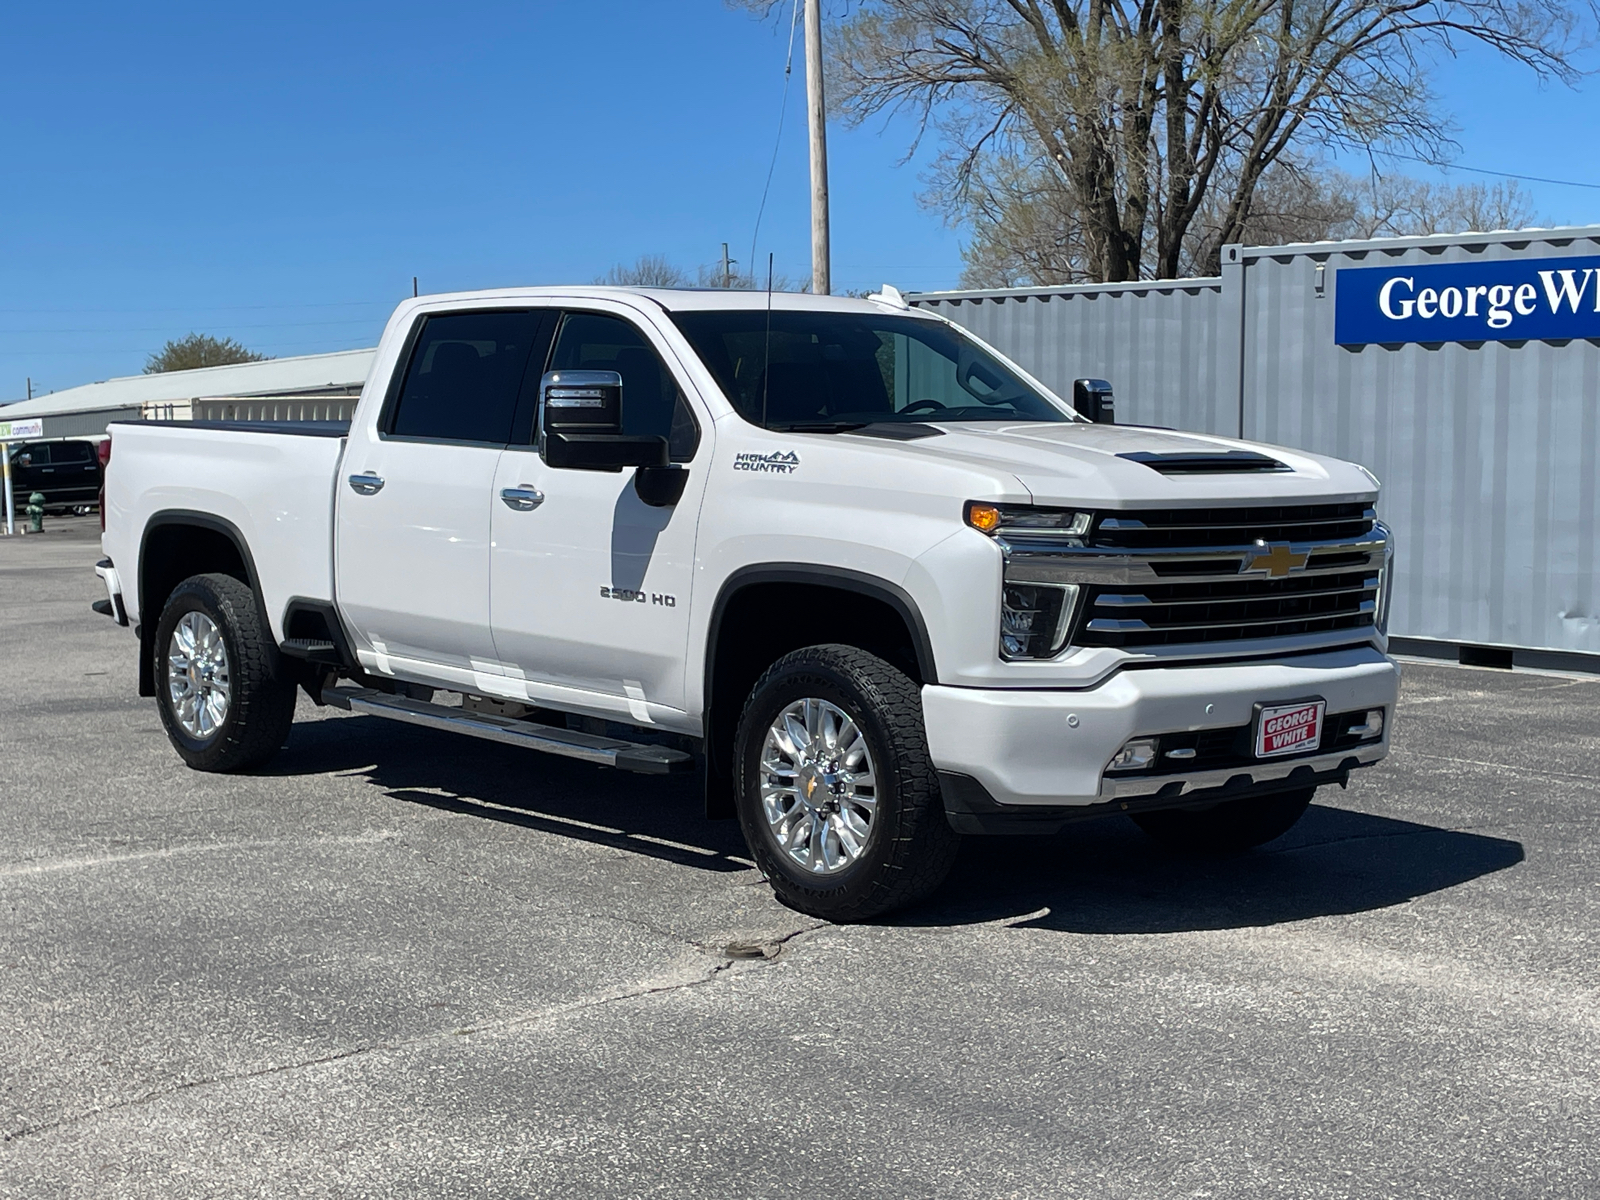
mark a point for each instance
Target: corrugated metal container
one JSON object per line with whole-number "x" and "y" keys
{"x": 1487, "y": 449}
{"x": 1157, "y": 343}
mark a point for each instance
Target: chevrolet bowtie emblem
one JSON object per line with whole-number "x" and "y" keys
{"x": 1276, "y": 562}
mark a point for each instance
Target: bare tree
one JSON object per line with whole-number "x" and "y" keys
{"x": 656, "y": 270}
{"x": 1024, "y": 230}
{"x": 651, "y": 270}
{"x": 198, "y": 350}
{"x": 1134, "y": 120}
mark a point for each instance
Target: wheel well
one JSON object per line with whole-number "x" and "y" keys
{"x": 174, "y": 550}
{"x": 762, "y": 621}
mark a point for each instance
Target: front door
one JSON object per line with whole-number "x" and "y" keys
{"x": 415, "y": 495}
{"x": 589, "y": 585}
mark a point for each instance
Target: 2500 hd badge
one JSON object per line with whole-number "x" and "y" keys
{"x": 633, "y": 596}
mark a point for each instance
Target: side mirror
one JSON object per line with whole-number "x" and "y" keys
{"x": 580, "y": 424}
{"x": 1092, "y": 398}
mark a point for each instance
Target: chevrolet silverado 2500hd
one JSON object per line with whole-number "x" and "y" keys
{"x": 881, "y": 586}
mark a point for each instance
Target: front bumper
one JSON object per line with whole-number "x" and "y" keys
{"x": 1050, "y": 749}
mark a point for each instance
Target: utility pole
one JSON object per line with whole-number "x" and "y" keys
{"x": 727, "y": 267}
{"x": 30, "y": 387}
{"x": 816, "y": 111}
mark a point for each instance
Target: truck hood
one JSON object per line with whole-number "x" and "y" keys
{"x": 1080, "y": 463}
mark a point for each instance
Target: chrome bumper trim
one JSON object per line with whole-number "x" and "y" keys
{"x": 1120, "y": 787}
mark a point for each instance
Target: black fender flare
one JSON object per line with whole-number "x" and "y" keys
{"x": 148, "y": 620}
{"x": 718, "y": 796}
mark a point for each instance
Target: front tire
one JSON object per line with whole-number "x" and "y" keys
{"x": 836, "y": 791}
{"x": 1231, "y": 827}
{"x": 225, "y": 699}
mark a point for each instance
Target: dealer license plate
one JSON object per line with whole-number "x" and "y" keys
{"x": 1289, "y": 728}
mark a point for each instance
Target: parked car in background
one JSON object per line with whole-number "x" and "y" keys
{"x": 66, "y": 473}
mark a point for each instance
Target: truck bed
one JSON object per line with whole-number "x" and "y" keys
{"x": 272, "y": 482}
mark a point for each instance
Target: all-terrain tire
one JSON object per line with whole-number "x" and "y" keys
{"x": 261, "y": 702}
{"x": 911, "y": 847}
{"x": 1230, "y": 827}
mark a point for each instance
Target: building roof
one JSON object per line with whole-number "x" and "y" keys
{"x": 275, "y": 376}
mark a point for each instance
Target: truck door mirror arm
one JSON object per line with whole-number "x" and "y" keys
{"x": 660, "y": 487}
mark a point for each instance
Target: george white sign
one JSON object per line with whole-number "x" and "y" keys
{"x": 11, "y": 431}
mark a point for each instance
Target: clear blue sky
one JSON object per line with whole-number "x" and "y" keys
{"x": 278, "y": 173}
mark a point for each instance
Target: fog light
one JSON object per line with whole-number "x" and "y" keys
{"x": 1135, "y": 756}
{"x": 1371, "y": 728}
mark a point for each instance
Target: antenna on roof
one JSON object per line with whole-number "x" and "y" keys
{"x": 766, "y": 353}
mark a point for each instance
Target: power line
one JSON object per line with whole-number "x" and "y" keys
{"x": 1441, "y": 166}
{"x": 783, "y": 108}
{"x": 221, "y": 308}
{"x": 4, "y": 332}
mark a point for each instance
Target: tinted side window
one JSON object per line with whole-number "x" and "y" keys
{"x": 72, "y": 452}
{"x": 36, "y": 455}
{"x": 464, "y": 377}
{"x": 652, "y": 405}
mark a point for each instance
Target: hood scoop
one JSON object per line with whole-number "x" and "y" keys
{"x": 1219, "y": 462}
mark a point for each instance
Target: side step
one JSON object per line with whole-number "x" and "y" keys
{"x": 311, "y": 649}
{"x": 570, "y": 743}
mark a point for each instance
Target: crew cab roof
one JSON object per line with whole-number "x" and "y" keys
{"x": 681, "y": 299}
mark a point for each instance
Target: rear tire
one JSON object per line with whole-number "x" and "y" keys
{"x": 1230, "y": 827}
{"x": 225, "y": 698}
{"x": 848, "y": 823}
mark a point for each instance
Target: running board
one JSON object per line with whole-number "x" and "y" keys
{"x": 641, "y": 757}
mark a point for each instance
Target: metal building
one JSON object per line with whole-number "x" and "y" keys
{"x": 313, "y": 387}
{"x": 1463, "y": 370}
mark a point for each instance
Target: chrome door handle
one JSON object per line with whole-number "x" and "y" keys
{"x": 523, "y": 499}
{"x": 367, "y": 484}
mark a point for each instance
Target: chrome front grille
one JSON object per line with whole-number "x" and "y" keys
{"x": 1218, "y": 611}
{"x": 1168, "y": 528}
{"x": 1171, "y": 577}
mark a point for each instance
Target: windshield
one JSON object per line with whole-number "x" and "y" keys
{"x": 840, "y": 370}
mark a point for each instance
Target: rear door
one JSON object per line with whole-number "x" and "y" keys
{"x": 590, "y": 585}
{"x": 75, "y": 470}
{"x": 414, "y": 499}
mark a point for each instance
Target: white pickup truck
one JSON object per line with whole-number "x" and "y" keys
{"x": 878, "y": 584}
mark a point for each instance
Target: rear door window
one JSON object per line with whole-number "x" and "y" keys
{"x": 465, "y": 376}
{"x": 76, "y": 453}
{"x": 652, "y": 403}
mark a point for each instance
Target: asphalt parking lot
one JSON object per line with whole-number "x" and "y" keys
{"x": 403, "y": 963}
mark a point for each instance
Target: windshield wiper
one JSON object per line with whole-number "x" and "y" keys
{"x": 818, "y": 426}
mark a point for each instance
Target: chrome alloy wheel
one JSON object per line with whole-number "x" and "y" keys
{"x": 818, "y": 789}
{"x": 197, "y": 675}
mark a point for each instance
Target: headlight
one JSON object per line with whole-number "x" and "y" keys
{"x": 1024, "y": 521}
{"x": 1035, "y": 618}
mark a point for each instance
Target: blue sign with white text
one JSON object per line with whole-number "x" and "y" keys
{"x": 1496, "y": 301}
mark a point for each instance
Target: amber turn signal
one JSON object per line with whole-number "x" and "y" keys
{"x": 985, "y": 518}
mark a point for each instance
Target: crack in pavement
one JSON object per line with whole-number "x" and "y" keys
{"x": 557, "y": 910}
{"x": 503, "y": 1024}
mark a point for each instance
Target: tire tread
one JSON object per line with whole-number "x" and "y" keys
{"x": 263, "y": 697}
{"x": 923, "y": 847}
